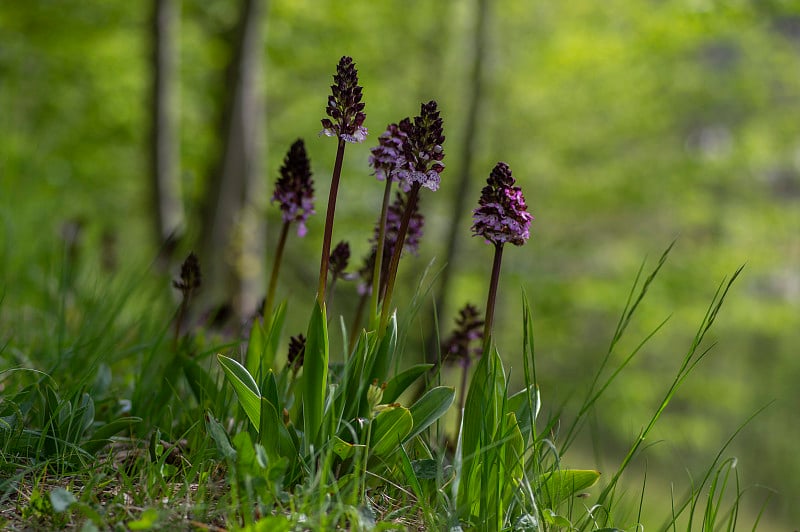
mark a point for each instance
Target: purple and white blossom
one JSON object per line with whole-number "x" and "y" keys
{"x": 502, "y": 215}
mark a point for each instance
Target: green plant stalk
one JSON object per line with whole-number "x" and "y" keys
{"x": 379, "y": 246}
{"x": 490, "y": 301}
{"x": 326, "y": 241}
{"x": 361, "y": 488}
{"x": 391, "y": 275}
{"x": 273, "y": 279}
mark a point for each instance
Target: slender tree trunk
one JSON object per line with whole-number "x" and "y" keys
{"x": 466, "y": 150}
{"x": 230, "y": 219}
{"x": 165, "y": 185}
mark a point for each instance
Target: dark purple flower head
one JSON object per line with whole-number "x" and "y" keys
{"x": 502, "y": 215}
{"x": 339, "y": 259}
{"x": 191, "y": 278}
{"x": 295, "y": 188}
{"x": 387, "y": 156}
{"x": 464, "y": 342}
{"x": 422, "y": 151}
{"x": 297, "y": 350}
{"x": 345, "y": 108}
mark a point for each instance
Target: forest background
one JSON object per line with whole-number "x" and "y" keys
{"x": 627, "y": 124}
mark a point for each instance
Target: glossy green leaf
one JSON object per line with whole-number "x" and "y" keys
{"x": 558, "y": 486}
{"x": 400, "y": 382}
{"x": 429, "y": 408}
{"x": 315, "y": 375}
{"x": 389, "y": 429}
{"x": 245, "y": 387}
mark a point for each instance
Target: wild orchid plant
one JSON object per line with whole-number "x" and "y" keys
{"x": 340, "y": 427}
{"x": 357, "y": 418}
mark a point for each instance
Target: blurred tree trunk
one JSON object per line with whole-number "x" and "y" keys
{"x": 231, "y": 227}
{"x": 165, "y": 186}
{"x": 466, "y": 151}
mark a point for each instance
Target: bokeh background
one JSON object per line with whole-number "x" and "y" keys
{"x": 629, "y": 124}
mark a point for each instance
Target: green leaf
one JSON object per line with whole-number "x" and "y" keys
{"x": 551, "y": 518}
{"x": 482, "y": 417}
{"x": 256, "y": 346}
{"x": 559, "y": 485}
{"x": 381, "y": 358}
{"x": 274, "y": 435}
{"x": 390, "y": 428}
{"x": 352, "y": 393}
{"x": 343, "y": 449}
{"x": 61, "y": 499}
{"x": 521, "y": 403}
{"x": 513, "y": 448}
{"x": 220, "y": 437}
{"x": 315, "y": 375}
{"x": 274, "y": 336}
{"x": 146, "y": 521}
{"x": 245, "y": 387}
{"x": 400, "y": 382}
{"x": 272, "y": 523}
{"x": 410, "y": 473}
{"x": 103, "y": 434}
{"x": 263, "y": 343}
{"x": 426, "y": 469}
{"x": 430, "y": 407}
{"x": 203, "y": 386}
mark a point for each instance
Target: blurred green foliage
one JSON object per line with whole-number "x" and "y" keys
{"x": 628, "y": 124}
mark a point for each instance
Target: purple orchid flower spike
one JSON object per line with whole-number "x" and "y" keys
{"x": 502, "y": 216}
{"x": 294, "y": 190}
{"x": 345, "y": 108}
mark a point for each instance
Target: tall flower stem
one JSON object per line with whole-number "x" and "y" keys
{"x": 273, "y": 280}
{"x": 376, "y": 276}
{"x": 487, "y": 326}
{"x": 326, "y": 242}
{"x": 398, "y": 250}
